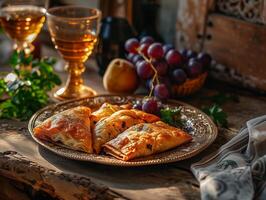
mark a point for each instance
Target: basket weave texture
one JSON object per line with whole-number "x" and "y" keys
{"x": 190, "y": 86}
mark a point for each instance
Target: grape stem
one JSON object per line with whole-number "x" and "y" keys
{"x": 155, "y": 76}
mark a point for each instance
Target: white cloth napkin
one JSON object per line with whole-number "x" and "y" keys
{"x": 238, "y": 170}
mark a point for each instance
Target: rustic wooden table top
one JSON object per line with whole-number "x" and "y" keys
{"x": 28, "y": 170}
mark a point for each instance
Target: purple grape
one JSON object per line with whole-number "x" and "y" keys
{"x": 179, "y": 76}
{"x": 130, "y": 57}
{"x": 150, "y": 106}
{"x": 147, "y": 40}
{"x": 184, "y": 52}
{"x": 136, "y": 58}
{"x": 167, "y": 47}
{"x": 191, "y": 54}
{"x": 165, "y": 80}
{"x": 194, "y": 68}
{"x": 173, "y": 58}
{"x": 162, "y": 79}
{"x": 161, "y": 67}
{"x": 173, "y": 67}
{"x": 131, "y": 45}
{"x": 155, "y": 51}
{"x": 161, "y": 91}
{"x": 138, "y": 62}
{"x": 144, "y": 70}
{"x": 205, "y": 59}
{"x": 144, "y": 49}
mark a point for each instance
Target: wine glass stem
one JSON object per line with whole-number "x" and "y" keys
{"x": 75, "y": 79}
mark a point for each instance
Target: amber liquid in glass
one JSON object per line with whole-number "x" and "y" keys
{"x": 75, "y": 49}
{"x": 22, "y": 23}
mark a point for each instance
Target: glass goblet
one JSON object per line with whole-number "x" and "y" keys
{"x": 74, "y": 32}
{"x": 22, "y": 20}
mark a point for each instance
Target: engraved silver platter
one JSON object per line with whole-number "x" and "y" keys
{"x": 197, "y": 124}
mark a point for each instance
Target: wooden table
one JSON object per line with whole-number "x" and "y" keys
{"x": 28, "y": 170}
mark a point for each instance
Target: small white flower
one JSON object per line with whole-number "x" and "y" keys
{"x": 11, "y": 77}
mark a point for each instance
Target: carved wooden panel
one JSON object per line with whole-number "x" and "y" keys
{"x": 241, "y": 47}
{"x": 237, "y": 40}
{"x": 249, "y": 10}
{"x": 232, "y": 31}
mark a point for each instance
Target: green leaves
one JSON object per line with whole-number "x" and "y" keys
{"x": 2, "y": 87}
{"x": 217, "y": 114}
{"x": 43, "y": 75}
{"x": 171, "y": 116}
{"x": 27, "y": 89}
{"x": 18, "y": 58}
{"x": 215, "y": 111}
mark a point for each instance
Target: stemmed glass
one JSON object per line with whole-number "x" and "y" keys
{"x": 22, "y": 20}
{"x": 74, "y": 32}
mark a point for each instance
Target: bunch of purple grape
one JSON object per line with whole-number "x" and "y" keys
{"x": 149, "y": 105}
{"x": 172, "y": 67}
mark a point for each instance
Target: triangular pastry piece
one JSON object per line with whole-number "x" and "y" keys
{"x": 70, "y": 127}
{"x": 108, "y": 128}
{"x": 145, "y": 139}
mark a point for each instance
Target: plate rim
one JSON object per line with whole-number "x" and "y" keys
{"x": 124, "y": 163}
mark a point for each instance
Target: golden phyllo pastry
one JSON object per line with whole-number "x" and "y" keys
{"x": 146, "y": 139}
{"x": 108, "y": 128}
{"x": 104, "y": 111}
{"x": 70, "y": 127}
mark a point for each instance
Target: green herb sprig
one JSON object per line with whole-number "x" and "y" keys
{"x": 171, "y": 116}
{"x": 217, "y": 114}
{"x": 27, "y": 90}
{"x": 215, "y": 111}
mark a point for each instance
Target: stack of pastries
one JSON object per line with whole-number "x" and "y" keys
{"x": 119, "y": 131}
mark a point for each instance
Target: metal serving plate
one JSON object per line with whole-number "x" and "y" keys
{"x": 197, "y": 124}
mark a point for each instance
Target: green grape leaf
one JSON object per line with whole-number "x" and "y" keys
{"x": 171, "y": 116}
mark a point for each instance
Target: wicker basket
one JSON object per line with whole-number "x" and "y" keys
{"x": 190, "y": 86}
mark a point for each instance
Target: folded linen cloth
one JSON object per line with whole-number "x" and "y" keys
{"x": 238, "y": 170}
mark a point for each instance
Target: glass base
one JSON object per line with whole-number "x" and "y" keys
{"x": 66, "y": 94}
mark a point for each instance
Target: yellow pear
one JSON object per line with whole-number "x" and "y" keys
{"x": 120, "y": 77}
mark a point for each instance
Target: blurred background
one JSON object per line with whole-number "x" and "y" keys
{"x": 151, "y": 17}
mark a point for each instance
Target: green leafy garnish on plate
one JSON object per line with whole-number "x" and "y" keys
{"x": 26, "y": 89}
{"x": 171, "y": 116}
